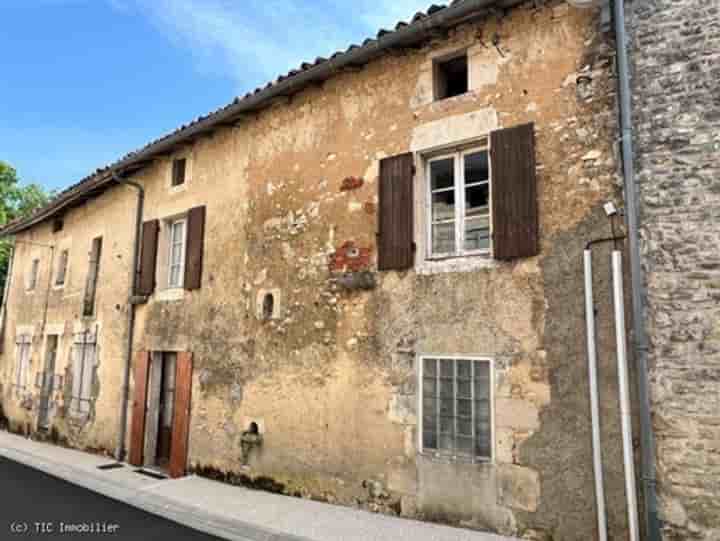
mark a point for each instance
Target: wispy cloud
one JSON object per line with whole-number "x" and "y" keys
{"x": 255, "y": 40}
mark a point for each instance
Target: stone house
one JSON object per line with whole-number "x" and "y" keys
{"x": 676, "y": 52}
{"x": 362, "y": 283}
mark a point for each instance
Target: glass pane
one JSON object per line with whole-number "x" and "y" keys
{"x": 446, "y": 442}
{"x": 429, "y": 386}
{"x": 477, "y": 234}
{"x": 464, "y": 388}
{"x": 482, "y": 370}
{"x": 447, "y": 425}
{"x": 443, "y": 206}
{"x": 447, "y": 388}
{"x": 174, "y": 275}
{"x": 430, "y": 367}
{"x": 477, "y": 200}
{"x": 430, "y": 414}
{"x": 483, "y": 447}
{"x": 446, "y": 408}
{"x": 429, "y": 440}
{"x": 476, "y": 167}
{"x": 465, "y": 445}
{"x": 442, "y": 174}
{"x": 464, "y": 426}
{"x": 464, "y": 369}
{"x": 447, "y": 368}
{"x": 482, "y": 410}
{"x": 464, "y": 408}
{"x": 443, "y": 238}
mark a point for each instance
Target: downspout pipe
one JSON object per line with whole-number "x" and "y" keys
{"x": 125, "y": 389}
{"x": 640, "y": 342}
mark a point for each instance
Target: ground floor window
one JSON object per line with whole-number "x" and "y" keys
{"x": 23, "y": 344}
{"x": 457, "y": 407}
{"x": 83, "y": 370}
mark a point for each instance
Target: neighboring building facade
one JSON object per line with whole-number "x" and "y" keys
{"x": 367, "y": 291}
{"x": 677, "y": 68}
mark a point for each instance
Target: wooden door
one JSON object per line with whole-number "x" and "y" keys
{"x": 181, "y": 415}
{"x": 137, "y": 432}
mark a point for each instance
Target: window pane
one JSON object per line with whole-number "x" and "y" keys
{"x": 443, "y": 238}
{"x": 464, "y": 408}
{"x": 446, "y": 442}
{"x": 430, "y": 367}
{"x": 464, "y": 388}
{"x": 447, "y": 388}
{"x": 429, "y": 386}
{"x": 477, "y": 234}
{"x": 430, "y": 414}
{"x": 443, "y": 206}
{"x": 464, "y": 427}
{"x": 476, "y": 167}
{"x": 464, "y": 369}
{"x": 446, "y": 407}
{"x": 442, "y": 174}
{"x": 447, "y": 425}
{"x": 465, "y": 445}
{"x": 430, "y": 440}
{"x": 447, "y": 368}
{"x": 477, "y": 200}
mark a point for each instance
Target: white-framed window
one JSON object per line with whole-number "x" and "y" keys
{"x": 62, "y": 268}
{"x": 84, "y": 355}
{"x": 23, "y": 343}
{"x": 458, "y": 212}
{"x": 33, "y": 276}
{"x": 176, "y": 253}
{"x": 456, "y": 404}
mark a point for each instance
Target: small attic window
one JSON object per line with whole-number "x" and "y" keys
{"x": 451, "y": 76}
{"x": 57, "y": 225}
{"x": 268, "y": 307}
{"x": 178, "y": 172}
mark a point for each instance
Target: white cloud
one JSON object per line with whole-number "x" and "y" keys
{"x": 253, "y": 41}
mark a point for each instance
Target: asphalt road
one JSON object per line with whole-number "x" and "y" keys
{"x": 34, "y": 505}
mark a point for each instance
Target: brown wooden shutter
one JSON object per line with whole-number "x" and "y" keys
{"x": 194, "y": 248}
{"x": 395, "y": 223}
{"x": 137, "y": 431}
{"x": 92, "y": 277}
{"x": 148, "y": 258}
{"x": 181, "y": 415}
{"x": 514, "y": 192}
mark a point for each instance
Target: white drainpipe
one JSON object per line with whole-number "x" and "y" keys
{"x": 629, "y": 459}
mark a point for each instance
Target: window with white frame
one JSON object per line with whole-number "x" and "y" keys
{"x": 83, "y": 369}
{"x": 22, "y": 360}
{"x": 33, "y": 276}
{"x": 456, "y": 404}
{"x": 176, "y": 253}
{"x": 459, "y": 194}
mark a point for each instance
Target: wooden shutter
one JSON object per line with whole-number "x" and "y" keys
{"x": 148, "y": 258}
{"x": 181, "y": 415}
{"x": 92, "y": 277}
{"x": 194, "y": 248}
{"x": 137, "y": 430}
{"x": 395, "y": 224}
{"x": 514, "y": 192}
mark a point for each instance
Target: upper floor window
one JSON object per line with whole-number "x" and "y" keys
{"x": 33, "y": 276}
{"x": 62, "y": 268}
{"x": 459, "y": 195}
{"x": 451, "y": 76}
{"x": 179, "y": 167}
{"x": 176, "y": 251}
{"x": 457, "y": 407}
{"x": 92, "y": 277}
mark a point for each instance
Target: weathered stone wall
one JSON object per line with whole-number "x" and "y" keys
{"x": 331, "y": 378}
{"x": 676, "y": 47}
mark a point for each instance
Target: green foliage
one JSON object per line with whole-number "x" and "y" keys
{"x": 15, "y": 202}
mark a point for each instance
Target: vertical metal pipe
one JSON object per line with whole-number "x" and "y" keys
{"x": 623, "y": 380}
{"x": 647, "y": 439}
{"x": 594, "y": 398}
{"x": 125, "y": 389}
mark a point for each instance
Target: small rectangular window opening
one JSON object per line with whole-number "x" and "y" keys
{"x": 32, "y": 280}
{"x": 457, "y": 407}
{"x": 451, "y": 77}
{"x": 62, "y": 268}
{"x": 178, "y": 172}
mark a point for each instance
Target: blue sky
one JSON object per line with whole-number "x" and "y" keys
{"x": 85, "y": 81}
